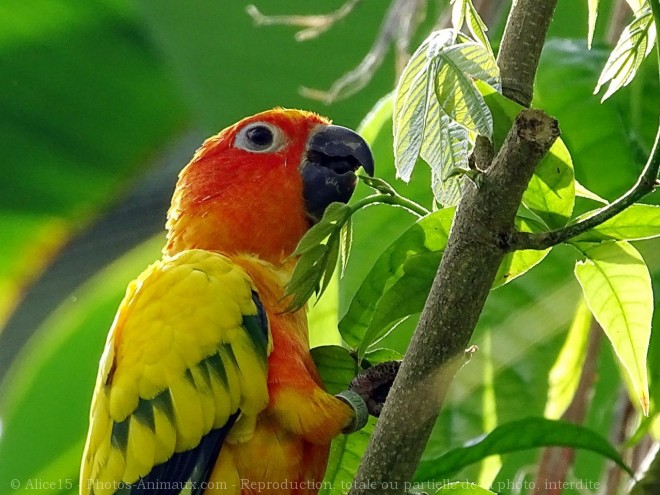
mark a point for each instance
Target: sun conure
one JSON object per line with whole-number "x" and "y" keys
{"x": 206, "y": 384}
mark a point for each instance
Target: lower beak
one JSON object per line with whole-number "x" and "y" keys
{"x": 333, "y": 155}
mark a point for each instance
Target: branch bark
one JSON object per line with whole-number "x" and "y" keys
{"x": 467, "y": 270}
{"x": 523, "y": 40}
{"x": 457, "y": 296}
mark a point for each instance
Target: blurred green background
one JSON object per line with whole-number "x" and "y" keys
{"x": 102, "y": 102}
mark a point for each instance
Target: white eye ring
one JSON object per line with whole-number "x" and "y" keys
{"x": 259, "y": 137}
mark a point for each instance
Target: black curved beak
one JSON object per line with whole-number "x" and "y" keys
{"x": 333, "y": 155}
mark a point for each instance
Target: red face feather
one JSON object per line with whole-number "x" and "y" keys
{"x": 234, "y": 200}
{"x": 259, "y": 185}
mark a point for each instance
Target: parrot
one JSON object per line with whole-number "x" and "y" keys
{"x": 206, "y": 383}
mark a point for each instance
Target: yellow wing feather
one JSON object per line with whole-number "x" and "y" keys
{"x": 186, "y": 352}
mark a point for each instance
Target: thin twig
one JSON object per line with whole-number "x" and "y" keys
{"x": 314, "y": 24}
{"x": 399, "y": 21}
{"x": 646, "y": 183}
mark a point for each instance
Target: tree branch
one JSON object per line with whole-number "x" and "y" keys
{"x": 465, "y": 276}
{"x": 521, "y": 47}
{"x": 462, "y": 283}
{"x": 645, "y": 184}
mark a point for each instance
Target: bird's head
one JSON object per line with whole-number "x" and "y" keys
{"x": 259, "y": 185}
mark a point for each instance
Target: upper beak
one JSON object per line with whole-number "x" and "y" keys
{"x": 332, "y": 156}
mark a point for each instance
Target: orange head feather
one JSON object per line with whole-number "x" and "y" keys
{"x": 257, "y": 186}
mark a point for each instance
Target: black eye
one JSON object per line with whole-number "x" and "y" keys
{"x": 260, "y": 135}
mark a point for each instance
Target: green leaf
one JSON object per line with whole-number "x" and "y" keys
{"x": 493, "y": 464}
{"x": 617, "y": 287}
{"x": 437, "y": 80}
{"x": 411, "y": 104}
{"x": 463, "y": 488}
{"x": 379, "y": 185}
{"x": 551, "y": 191}
{"x": 384, "y": 224}
{"x": 345, "y": 243}
{"x": 458, "y": 14}
{"x": 477, "y": 26}
{"x": 346, "y": 452}
{"x": 399, "y": 282}
{"x": 608, "y": 154}
{"x": 428, "y": 235}
{"x": 593, "y": 15}
{"x": 382, "y": 355}
{"x": 404, "y": 298}
{"x": 333, "y": 218}
{"x": 583, "y": 192}
{"x": 635, "y": 43}
{"x": 565, "y": 374}
{"x": 636, "y": 222}
{"x": 462, "y": 11}
{"x": 515, "y": 436}
{"x": 336, "y": 367}
{"x": 517, "y": 263}
{"x": 318, "y": 252}
{"x": 636, "y": 5}
{"x": 446, "y": 149}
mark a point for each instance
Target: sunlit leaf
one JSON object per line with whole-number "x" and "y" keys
{"x": 515, "y": 436}
{"x": 551, "y": 191}
{"x": 463, "y": 11}
{"x": 635, "y": 43}
{"x": 454, "y": 88}
{"x": 565, "y": 374}
{"x": 636, "y": 222}
{"x": 383, "y": 223}
{"x": 477, "y": 26}
{"x": 583, "y": 192}
{"x": 517, "y": 263}
{"x": 617, "y": 287}
{"x": 458, "y": 14}
{"x": 446, "y": 149}
{"x": 636, "y": 5}
{"x": 491, "y": 465}
{"x": 435, "y": 105}
{"x": 411, "y": 102}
